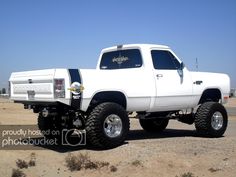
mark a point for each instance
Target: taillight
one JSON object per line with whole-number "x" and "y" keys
{"x": 59, "y": 88}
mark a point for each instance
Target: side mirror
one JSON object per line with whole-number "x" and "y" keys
{"x": 182, "y": 66}
{"x": 180, "y": 70}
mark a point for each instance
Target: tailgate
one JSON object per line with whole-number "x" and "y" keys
{"x": 32, "y": 85}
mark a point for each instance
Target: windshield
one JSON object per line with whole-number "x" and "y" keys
{"x": 121, "y": 59}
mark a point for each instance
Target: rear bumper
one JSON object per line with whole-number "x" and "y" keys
{"x": 38, "y": 103}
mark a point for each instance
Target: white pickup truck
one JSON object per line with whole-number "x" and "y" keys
{"x": 147, "y": 79}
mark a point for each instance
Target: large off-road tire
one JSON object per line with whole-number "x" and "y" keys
{"x": 107, "y": 125}
{"x": 154, "y": 125}
{"x": 211, "y": 119}
{"x": 49, "y": 127}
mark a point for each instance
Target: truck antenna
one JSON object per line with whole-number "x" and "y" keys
{"x": 196, "y": 64}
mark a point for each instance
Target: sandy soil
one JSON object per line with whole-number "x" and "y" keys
{"x": 174, "y": 152}
{"x": 231, "y": 102}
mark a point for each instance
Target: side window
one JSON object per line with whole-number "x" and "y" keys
{"x": 164, "y": 60}
{"x": 121, "y": 59}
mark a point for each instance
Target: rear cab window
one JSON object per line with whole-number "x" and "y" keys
{"x": 121, "y": 59}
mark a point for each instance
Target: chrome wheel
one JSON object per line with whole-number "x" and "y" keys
{"x": 112, "y": 126}
{"x": 217, "y": 121}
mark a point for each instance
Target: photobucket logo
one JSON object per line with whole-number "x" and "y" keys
{"x": 28, "y": 141}
{"x": 73, "y": 137}
{"x": 29, "y": 136}
{"x": 26, "y": 136}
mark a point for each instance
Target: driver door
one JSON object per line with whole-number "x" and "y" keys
{"x": 173, "y": 82}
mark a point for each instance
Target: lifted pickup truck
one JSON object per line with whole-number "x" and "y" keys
{"x": 147, "y": 79}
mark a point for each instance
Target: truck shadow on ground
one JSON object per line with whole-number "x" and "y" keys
{"x": 132, "y": 136}
{"x": 168, "y": 133}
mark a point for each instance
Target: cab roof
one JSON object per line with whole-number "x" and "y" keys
{"x": 125, "y": 46}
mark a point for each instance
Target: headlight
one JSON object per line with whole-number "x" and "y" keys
{"x": 59, "y": 88}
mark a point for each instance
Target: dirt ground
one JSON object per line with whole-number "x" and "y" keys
{"x": 172, "y": 153}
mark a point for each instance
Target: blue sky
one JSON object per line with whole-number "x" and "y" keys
{"x": 39, "y": 34}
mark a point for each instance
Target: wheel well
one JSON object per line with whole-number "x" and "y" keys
{"x": 210, "y": 95}
{"x": 109, "y": 96}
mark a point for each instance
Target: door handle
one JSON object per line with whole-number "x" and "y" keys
{"x": 159, "y": 75}
{"x": 198, "y": 82}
